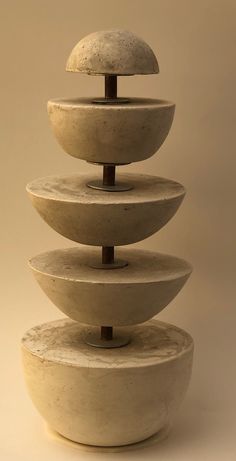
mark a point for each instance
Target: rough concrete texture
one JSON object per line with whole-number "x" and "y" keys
{"x": 111, "y": 52}
{"x": 126, "y": 296}
{"x": 95, "y": 217}
{"x": 103, "y": 397}
{"x": 113, "y": 133}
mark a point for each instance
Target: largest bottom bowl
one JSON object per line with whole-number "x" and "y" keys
{"x": 107, "y": 397}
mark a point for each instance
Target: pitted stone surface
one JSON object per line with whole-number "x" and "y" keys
{"x": 116, "y": 51}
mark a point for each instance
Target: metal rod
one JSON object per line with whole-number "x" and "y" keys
{"x": 111, "y": 86}
{"x": 109, "y": 171}
{"x": 107, "y": 333}
{"x": 109, "y": 175}
{"x": 107, "y": 258}
{"x": 107, "y": 255}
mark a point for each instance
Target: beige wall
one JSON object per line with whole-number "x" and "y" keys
{"x": 195, "y": 45}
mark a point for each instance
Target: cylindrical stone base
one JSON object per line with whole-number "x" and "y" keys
{"x": 107, "y": 397}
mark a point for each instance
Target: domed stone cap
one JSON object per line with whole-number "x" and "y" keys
{"x": 112, "y": 52}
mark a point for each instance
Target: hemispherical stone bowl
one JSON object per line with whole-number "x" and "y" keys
{"x": 112, "y": 133}
{"x": 99, "y": 218}
{"x": 118, "y": 297}
{"x": 96, "y": 397}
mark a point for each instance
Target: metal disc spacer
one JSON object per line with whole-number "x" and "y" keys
{"x": 107, "y": 164}
{"x": 117, "y": 264}
{"x": 117, "y": 187}
{"x": 111, "y": 101}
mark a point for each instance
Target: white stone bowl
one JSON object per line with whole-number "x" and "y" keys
{"x": 95, "y": 217}
{"x": 107, "y": 397}
{"x": 118, "y": 297}
{"x": 112, "y": 133}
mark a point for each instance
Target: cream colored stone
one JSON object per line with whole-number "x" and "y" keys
{"x": 114, "y": 51}
{"x": 118, "y": 133}
{"x": 103, "y": 397}
{"x": 94, "y": 217}
{"x": 153, "y": 440}
{"x": 124, "y": 296}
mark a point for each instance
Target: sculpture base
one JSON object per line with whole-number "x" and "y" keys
{"x": 107, "y": 397}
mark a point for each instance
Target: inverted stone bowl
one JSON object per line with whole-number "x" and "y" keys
{"x": 116, "y": 297}
{"x": 94, "y": 217}
{"x": 77, "y": 388}
{"x": 113, "y": 133}
{"x": 112, "y": 52}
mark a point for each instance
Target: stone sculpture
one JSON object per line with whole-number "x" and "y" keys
{"x": 109, "y": 375}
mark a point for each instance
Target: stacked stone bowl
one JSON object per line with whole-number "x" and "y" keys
{"x": 109, "y": 375}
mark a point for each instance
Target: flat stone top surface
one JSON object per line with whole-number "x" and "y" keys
{"x": 62, "y": 341}
{"x": 116, "y": 51}
{"x": 73, "y": 188}
{"x": 134, "y": 103}
{"x": 144, "y": 266}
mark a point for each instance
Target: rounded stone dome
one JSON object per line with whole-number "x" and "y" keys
{"x": 112, "y": 52}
